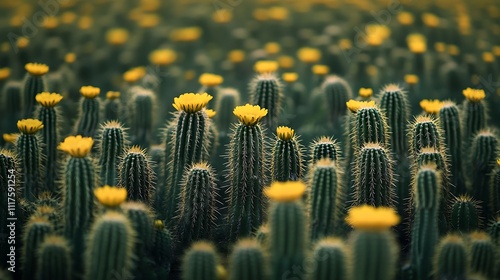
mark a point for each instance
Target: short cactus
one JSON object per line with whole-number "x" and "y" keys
{"x": 141, "y": 116}
{"x": 324, "y": 147}
{"x": 474, "y": 113}
{"x": 90, "y": 116}
{"x": 112, "y": 142}
{"x": 330, "y": 260}
{"x": 266, "y": 92}
{"x": 451, "y": 259}
{"x": 337, "y": 92}
{"x": 464, "y": 216}
{"x": 200, "y": 262}
{"x": 36, "y": 230}
{"x": 482, "y": 255}
{"x": 112, "y": 106}
{"x": 135, "y": 173}
{"x": 286, "y": 163}
{"x": 247, "y": 261}
{"x": 54, "y": 259}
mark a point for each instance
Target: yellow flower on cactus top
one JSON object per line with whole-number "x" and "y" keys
{"x": 309, "y": 55}
{"x": 22, "y": 42}
{"x": 320, "y": 70}
{"x": 431, "y": 106}
{"x": 431, "y": 20}
{"x": 47, "y": 99}
{"x": 474, "y": 95}
{"x": 277, "y": 13}
{"x": 10, "y": 137}
{"x": 488, "y": 57}
{"x": 4, "y": 73}
{"x": 249, "y": 114}
{"x": 285, "y": 191}
{"x": 76, "y": 146}
{"x": 187, "y": 34}
{"x": 210, "y": 113}
{"x": 162, "y": 57}
{"x": 286, "y": 62}
{"x": 411, "y": 79}
{"x": 90, "y": 92}
{"x": 148, "y": 20}
{"x": 222, "y": 16}
{"x": 266, "y": 66}
{"x": 354, "y": 105}
{"x": 112, "y": 95}
{"x": 365, "y": 92}
{"x": 110, "y": 196}
{"x": 117, "y": 36}
{"x": 371, "y": 218}
{"x": 210, "y": 80}
{"x": 134, "y": 74}
{"x": 285, "y": 133}
{"x": 159, "y": 224}
{"x": 70, "y": 58}
{"x": 191, "y": 102}
{"x": 405, "y": 18}
{"x": 29, "y": 126}
{"x": 272, "y": 48}
{"x": 50, "y": 22}
{"x": 236, "y": 56}
{"x": 37, "y": 69}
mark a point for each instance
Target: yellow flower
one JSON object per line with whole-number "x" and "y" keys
{"x": 309, "y": 55}
{"x": 210, "y": 113}
{"x": 354, "y": 105}
{"x": 417, "y": 46}
{"x": 134, "y": 74}
{"x": 285, "y": 191}
{"x": 4, "y": 73}
{"x": 320, "y": 70}
{"x": 405, "y": 18}
{"x": 260, "y": 14}
{"x": 68, "y": 17}
{"x": 365, "y": 92}
{"x": 47, "y": 99}
{"x": 272, "y": 48}
{"x": 70, "y": 58}
{"x": 148, "y": 20}
{"x": 277, "y": 13}
{"x": 370, "y": 218}
{"x": 22, "y": 42}
{"x": 112, "y": 95}
{"x": 191, "y": 102}
{"x": 110, "y": 196}
{"x": 440, "y": 47}
{"x": 290, "y": 77}
{"x": 430, "y": 20}
{"x": 411, "y": 79}
{"x": 162, "y": 57}
{"x": 85, "y": 22}
{"x": 159, "y": 224}
{"x": 222, "y": 16}
{"x": 29, "y": 126}
{"x": 498, "y": 160}
{"x": 496, "y": 50}
{"x": 453, "y": 50}
{"x": 345, "y": 44}
{"x": 187, "y": 34}
{"x": 210, "y": 80}
{"x": 50, "y": 22}
{"x": 36, "y": 69}
{"x": 236, "y": 56}
{"x": 90, "y": 92}
{"x": 286, "y": 62}
{"x": 117, "y": 36}
{"x": 488, "y": 57}
{"x": 285, "y": 133}
{"x": 76, "y": 146}
{"x": 266, "y": 66}
{"x": 249, "y": 114}
{"x": 474, "y": 95}
{"x": 431, "y": 106}
{"x": 10, "y": 137}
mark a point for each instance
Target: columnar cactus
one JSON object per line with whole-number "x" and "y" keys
{"x": 482, "y": 255}
{"x": 34, "y": 83}
{"x": 163, "y": 253}
{"x": 286, "y": 163}
{"x": 369, "y": 124}
{"x": 54, "y": 259}
{"x": 246, "y": 173}
{"x": 200, "y": 262}
{"x": 424, "y": 132}
{"x": 495, "y": 189}
{"x": 266, "y": 92}
{"x": 11, "y": 106}
{"x": 89, "y": 118}
{"x": 330, "y": 260}
{"x": 112, "y": 106}
{"x": 36, "y": 230}
{"x": 324, "y": 147}
{"x": 141, "y": 116}
{"x": 226, "y": 100}
{"x": 451, "y": 259}
{"x": 287, "y": 236}
{"x": 135, "y": 173}
{"x": 337, "y": 92}
{"x": 248, "y": 261}
{"x": 464, "y": 216}
{"x": 475, "y": 114}
{"x": 49, "y": 116}
{"x": 112, "y": 141}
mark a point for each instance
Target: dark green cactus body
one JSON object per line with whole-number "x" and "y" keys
{"x": 32, "y": 85}
{"x": 266, "y": 92}
{"x": 474, "y": 119}
{"x": 141, "y": 117}
{"x": 198, "y": 200}
{"x": 369, "y": 127}
{"x": 449, "y": 119}
{"x": 200, "y": 262}
{"x": 325, "y": 199}
{"x": 464, "y": 216}
{"x": 482, "y": 255}
{"x": 262, "y": 236}
{"x": 54, "y": 259}
{"x": 247, "y": 261}
{"x": 286, "y": 160}
{"x": 136, "y": 175}
{"x": 34, "y": 233}
{"x": 11, "y": 105}
{"x": 374, "y": 181}
{"x": 337, "y": 92}
{"x": 109, "y": 251}
{"x": 30, "y": 161}
{"x": 329, "y": 260}
{"x": 425, "y": 233}
{"x": 247, "y": 180}
{"x": 89, "y": 118}
{"x": 112, "y": 143}
{"x": 324, "y": 147}
{"x": 495, "y": 190}
{"x": 287, "y": 240}
{"x": 424, "y": 132}
{"x": 163, "y": 250}
{"x": 484, "y": 153}
{"x": 451, "y": 259}
{"x": 226, "y": 100}
{"x": 50, "y": 138}
{"x": 112, "y": 110}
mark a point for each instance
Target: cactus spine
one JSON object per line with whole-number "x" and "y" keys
{"x": 34, "y": 233}
{"x": 200, "y": 262}
{"x": 141, "y": 116}
{"x": 163, "y": 252}
{"x": 111, "y": 145}
{"x": 54, "y": 259}
{"x": 474, "y": 113}
{"x": 226, "y": 100}
{"x": 136, "y": 175}
{"x": 286, "y": 156}
{"x": 464, "y": 216}
{"x": 451, "y": 259}
{"x": 112, "y": 106}
{"x": 495, "y": 189}
{"x": 247, "y": 261}
{"x": 266, "y": 92}
{"x": 89, "y": 118}
{"x": 483, "y": 255}
{"x": 329, "y": 259}
{"x": 424, "y": 132}
{"x": 337, "y": 92}
{"x": 324, "y": 147}
{"x": 34, "y": 83}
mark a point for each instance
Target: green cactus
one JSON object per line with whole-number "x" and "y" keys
{"x": 325, "y": 199}
{"x": 197, "y": 205}
{"x": 112, "y": 107}
{"x": 464, "y": 216}
{"x": 200, "y": 262}
{"x": 482, "y": 255}
{"x": 369, "y": 126}
{"x": 36, "y": 230}
{"x": 51, "y": 213}
{"x": 247, "y": 261}
{"x": 265, "y": 91}
{"x": 135, "y": 173}
{"x": 286, "y": 162}
{"x": 54, "y": 259}
{"x": 337, "y": 92}
{"x": 474, "y": 114}
{"x": 163, "y": 249}
{"x": 425, "y": 235}
{"x": 8, "y": 197}
{"x": 111, "y": 145}
{"x": 110, "y": 247}
{"x": 324, "y": 147}
{"x": 226, "y": 100}
{"x": 451, "y": 260}
{"x": 141, "y": 116}
{"x": 329, "y": 260}
{"x": 424, "y": 132}
{"x": 11, "y": 105}
{"x": 34, "y": 83}
{"x": 90, "y": 115}
{"x": 495, "y": 189}
{"x": 262, "y": 236}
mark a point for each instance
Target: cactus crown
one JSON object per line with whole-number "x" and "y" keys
{"x": 110, "y": 196}
{"x": 431, "y": 106}
{"x": 162, "y": 57}
{"x": 236, "y": 56}
{"x": 354, "y": 105}
{"x": 112, "y": 95}
{"x": 249, "y": 114}
{"x": 10, "y": 137}
{"x": 117, "y": 36}
{"x": 285, "y": 191}
{"x": 4, "y": 73}
{"x": 371, "y": 218}
{"x": 186, "y": 34}
{"x": 290, "y": 77}
{"x": 309, "y": 55}
{"x": 47, "y": 99}
{"x": 29, "y": 126}
{"x": 411, "y": 79}
{"x": 134, "y": 74}
{"x": 266, "y": 66}
{"x": 210, "y": 80}
{"x": 70, "y": 58}
{"x": 474, "y": 95}
{"x": 210, "y": 113}
{"x": 488, "y": 57}
{"x": 320, "y": 70}
{"x": 191, "y": 102}
{"x": 76, "y": 146}
{"x": 285, "y": 133}
{"x": 365, "y": 92}
{"x": 36, "y": 69}
{"x": 90, "y": 92}
{"x": 479, "y": 236}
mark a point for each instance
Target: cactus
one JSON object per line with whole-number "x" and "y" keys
{"x": 324, "y": 147}
{"x": 111, "y": 238}
{"x": 424, "y": 132}
{"x": 36, "y": 230}
{"x": 111, "y": 145}
{"x": 9, "y": 197}
{"x": 369, "y": 126}
{"x": 112, "y": 106}
{"x": 337, "y": 92}
{"x": 11, "y": 105}
{"x": 54, "y": 259}
{"x": 325, "y": 199}
{"x": 49, "y": 116}
{"x": 424, "y": 237}
{"x": 262, "y": 236}
{"x": 163, "y": 249}
{"x": 474, "y": 114}
{"x": 246, "y": 173}
{"x": 141, "y": 117}
{"x": 374, "y": 181}
{"x": 286, "y": 163}
{"x": 34, "y": 83}
{"x": 89, "y": 117}
{"x": 247, "y": 261}
{"x": 266, "y": 92}
{"x": 188, "y": 143}
{"x": 373, "y": 247}
{"x": 29, "y": 154}
{"x": 495, "y": 189}
{"x": 200, "y": 262}
{"x": 464, "y": 216}
{"x": 329, "y": 260}
{"x": 226, "y": 100}
{"x": 197, "y": 205}
{"x": 482, "y": 255}
{"x": 136, "y": 175}
{"x": 51, "y": 214}
{"x": 287, "y": 225}
{"x": 451, "y": 259}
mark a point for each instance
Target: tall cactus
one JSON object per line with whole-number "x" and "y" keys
{"x": 246, "y": 173}
{"x": 112, "y": 141}
{"x": 49, "y": 116}
{"x": 248, "y": 261}
{"x": 424, "y": 132}
{"x": 54, "y": 259}
{"x": 226, "y": 100}
{"x": 36, "y": 230}
{"x": 266, "y": 92}
{"x": 474, "y": 115}
{"x": 329, "y": 260}
{"x": 482, "y": 255}
{"x": 112, "y": 106}
{"x": 135, "y": 173}
{"x": 90, "y": 116}
{"x": 163, "y": 253}
{"x": 337, "y": 92}
{"x": 464, "y": 216}
{"x": 200, "y": 262}
{"x": 451, "y": 259}
{"x": 11, "y": 105}
{"x": 141, "y": 116}
{"x": 34, "y": 83}
{"x": 286, "y": 163}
